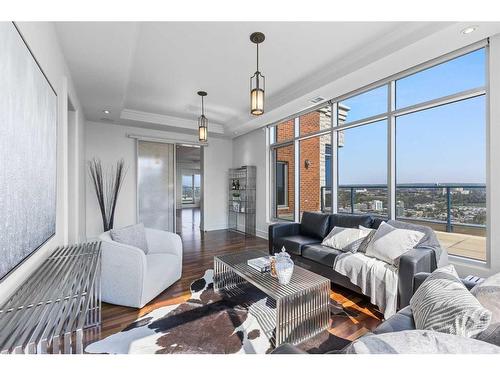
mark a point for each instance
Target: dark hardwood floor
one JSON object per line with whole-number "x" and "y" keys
{"x": 199, "y": 250}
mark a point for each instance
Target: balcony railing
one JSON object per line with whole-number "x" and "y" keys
{"x": 445, "y": 207}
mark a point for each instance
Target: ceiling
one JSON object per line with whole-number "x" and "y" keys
{"x": 147, "y": 73}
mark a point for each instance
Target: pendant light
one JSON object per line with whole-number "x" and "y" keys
{"x": 202, "y": 120}
{"x": 257, "y": 81}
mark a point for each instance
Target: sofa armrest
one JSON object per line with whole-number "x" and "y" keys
{"x": 281, "y": 230}
{"x": 287, "y": 349}
{"x": 162, "y": 242}
{"x": 414, "y": 261}
{"x": 421, "y": 276}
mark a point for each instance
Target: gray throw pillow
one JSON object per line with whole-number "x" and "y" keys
{"x": 371, "y": 232}
{"x": 488, "y": 295}
{"x": 442, "y": 303}
{"x": 133, "y": 235}
{"x": 419, "y": 342}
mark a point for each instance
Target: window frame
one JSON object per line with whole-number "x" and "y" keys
{"x": 285, "y": 183}
{"x": 390, "y": 116}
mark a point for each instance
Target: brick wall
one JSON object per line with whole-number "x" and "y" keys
{"x": 311, "y": 150}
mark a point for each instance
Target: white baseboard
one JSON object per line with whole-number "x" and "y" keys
{"x": 261, "y": 233}
{"x": 219, "y": 226}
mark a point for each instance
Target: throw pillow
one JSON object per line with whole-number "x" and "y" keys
{"x": 370, "y": 233}
{"x": 442, "y": 303}
{"x": 488, "y": 295}
{"x": 418, "y": 342}
{"x": 133, "y": 235}
{"x": 389, "y": 243}
{"x": 345, "y": 239}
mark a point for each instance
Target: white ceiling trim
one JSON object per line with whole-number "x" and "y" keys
{"x": 178, "y": 122}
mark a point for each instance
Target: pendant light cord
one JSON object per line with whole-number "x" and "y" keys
{"x": 202, "y": 107}
{"x": 257, "y": 56}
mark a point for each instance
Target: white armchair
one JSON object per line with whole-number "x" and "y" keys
{"x": 131, "y": 277}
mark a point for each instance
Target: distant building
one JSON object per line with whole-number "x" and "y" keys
{"x": 377, "y": 205}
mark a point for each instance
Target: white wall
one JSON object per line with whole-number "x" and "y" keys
{"x": 42, "y": 40}
{"x": 110, "y": 143}
{"x": 250, "y": 149}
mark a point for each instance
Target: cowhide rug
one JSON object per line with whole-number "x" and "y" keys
{"x": 209, "y": 323}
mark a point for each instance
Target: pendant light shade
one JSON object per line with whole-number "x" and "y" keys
{"x": 257, "y": 81}
{"x": 202, "y": 120}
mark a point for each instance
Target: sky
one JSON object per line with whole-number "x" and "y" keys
{"x": 446, "y": 144}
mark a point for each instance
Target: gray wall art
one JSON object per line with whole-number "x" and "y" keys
{"x": 28, "y": 138}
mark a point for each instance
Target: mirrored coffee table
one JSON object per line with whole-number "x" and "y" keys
{"x": 301, "y": 307}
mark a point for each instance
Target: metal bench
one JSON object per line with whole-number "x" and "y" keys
{"x": 51, "y": 310}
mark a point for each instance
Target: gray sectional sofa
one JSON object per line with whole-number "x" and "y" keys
{"x": 401, "y": 321}
{"x": 303, "y": 241}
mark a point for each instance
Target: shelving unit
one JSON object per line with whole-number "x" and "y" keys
{"x": 242, "y": 197}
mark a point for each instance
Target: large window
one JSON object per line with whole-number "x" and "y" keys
{"x": 427, "y": 126}
{"x": 362, "y": 170}
{"x": 460, "y": 74}
{"x": 281, "y": 184}
{"x": 367, "y": 104}
{"x": 284, "y": 182}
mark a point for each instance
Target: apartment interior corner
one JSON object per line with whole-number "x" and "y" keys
{"x": 274, "y": 191}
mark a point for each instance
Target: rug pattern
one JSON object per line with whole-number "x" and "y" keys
{"x": 209, "y": 322}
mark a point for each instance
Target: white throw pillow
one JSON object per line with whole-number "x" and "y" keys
{"x": 389, "y": 243}
{"x": 488, "y": 295}
{"x": 133, "y": 235}
{"x": 345, "y": 239}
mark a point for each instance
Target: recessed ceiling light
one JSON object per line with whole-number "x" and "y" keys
{"x": 106, "y": 111}
{"x": 469, "y": 29}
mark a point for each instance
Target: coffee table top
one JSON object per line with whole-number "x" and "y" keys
{"x": 301, "y": 280}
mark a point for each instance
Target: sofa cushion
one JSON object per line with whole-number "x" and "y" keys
{"x": 294, "y": 244}
{"x": 133, "y": 235}
{"x": 488, "y": 295}
{"x": 401, "y": 321}
{"x": 320, "y": 254}
{"x": 443, "y": 304}
{"x": 350, "y": 221}
{"x": 419, "y": 342}
{"x": 314, "y": 224}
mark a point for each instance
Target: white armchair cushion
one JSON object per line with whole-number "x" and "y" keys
{"x": 133, "y": 235}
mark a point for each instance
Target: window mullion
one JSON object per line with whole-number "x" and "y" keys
{"x": 391, "y": 151}
{"x": 297, "y": 171}
{"x": 334, "y": 158}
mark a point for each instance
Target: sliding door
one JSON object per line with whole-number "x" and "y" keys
{"x": 156, "y": 185}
